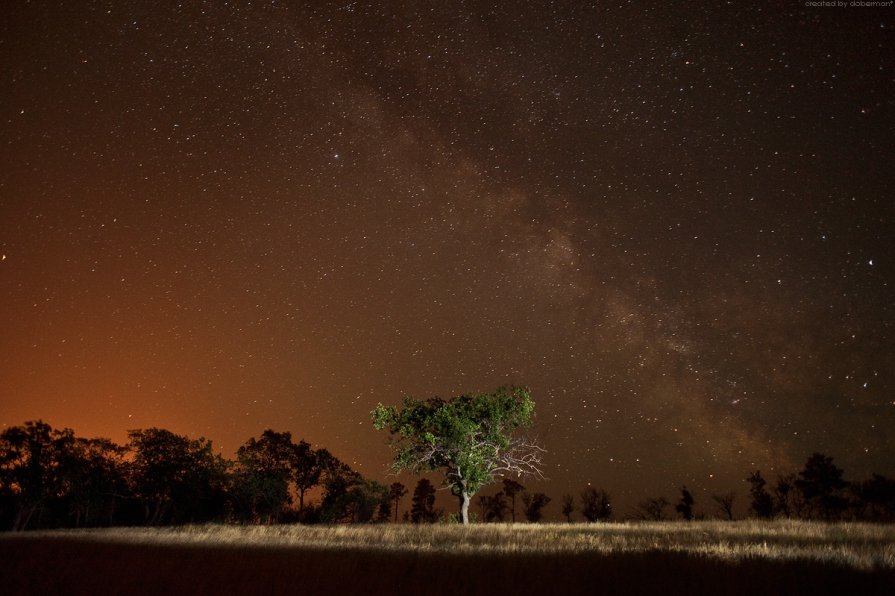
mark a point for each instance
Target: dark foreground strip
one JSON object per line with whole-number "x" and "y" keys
{"x": 40, "y": 565}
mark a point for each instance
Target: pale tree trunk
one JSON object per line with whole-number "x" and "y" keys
{"x": 462, "y": 493}
{"x": 464, "y": 506}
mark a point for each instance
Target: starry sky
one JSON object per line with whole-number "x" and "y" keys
{"x": 672, "y": 221}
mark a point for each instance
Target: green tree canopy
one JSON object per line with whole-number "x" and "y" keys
{"x": 470, "y": 438}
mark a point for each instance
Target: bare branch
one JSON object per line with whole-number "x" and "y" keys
{"x": 522, "y": 457}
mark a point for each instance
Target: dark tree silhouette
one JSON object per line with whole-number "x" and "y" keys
{"x": 177, "y": 479}
{"x": 272, "y": 452}
{"x": 28, "y": 455}
{"x": 92, "y": 473}
{"x": 257, "y": 497}
{"x": 821, "y": 486}
{"x": 595, "y": 504}
{"x": 685, "y": 505}
{"x": 351, "y": 498}
{"x": 270, "y": 467}
{"x": 261, "y": 482}
{"x": 51, "y": 478}
{"x": 534, "y": 505}
{"x": 396, "y": 491}
{"x": 160, "y": 460}
{"x": 787, "y": 499}
{"x": 877, "y": 499}
{"x": 306, "y": 466}
{"x": 568, "y": 506}
{"x": 366, "y": 499}
{"x": 761, "y": 505}
{"x": 510, "y": 489}
{"x": 422, "y": 505}
{"x": 725, "y": 503}
{"x": 470, "y": 438}
{"x": 494, "y": 508}
{"x": 652, "y": 509}
{"x": 346, "y": 495}
{"x": 385, "y": 505}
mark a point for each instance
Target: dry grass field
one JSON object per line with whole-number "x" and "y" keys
{"x": 746, "y": 557}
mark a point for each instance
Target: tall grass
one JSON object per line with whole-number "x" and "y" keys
{"x": 660, "y": 557}
{"x": 861, "y": 546}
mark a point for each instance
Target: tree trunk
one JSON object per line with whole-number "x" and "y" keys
{"x": 464, "y": 507}
{"x": 17, "y": 523}
{"x": 23, "y": 518}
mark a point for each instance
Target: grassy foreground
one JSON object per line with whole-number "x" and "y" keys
{"x": 640, "y": 558}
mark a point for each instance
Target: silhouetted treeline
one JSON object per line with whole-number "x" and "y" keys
{"x": 52, "y": 478}
{"x": 496, "y": 508}
{"x": 819, "y": 491}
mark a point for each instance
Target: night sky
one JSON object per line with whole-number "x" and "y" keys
{"x": 674, "y": 223}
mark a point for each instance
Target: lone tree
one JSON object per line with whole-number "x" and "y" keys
{"x": 685, "y": 505}
{"x": 568, "y": 507}
{"x": 595, "y": 504}
{"x": 422, "y": 508}
{"x": 494, "y": 508}
{"x": 534, "y": 505}
{"x": 787, "y": 499}
{"x": 822, "y": 486}
{"x": 725, "y": 503}
{"x": 396, "y": 491}
{"x": 761, "y": 504}
{"x": 469, "y": 437}
{"x": 510, "y": 488}
{"x": 652, "y": 509}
